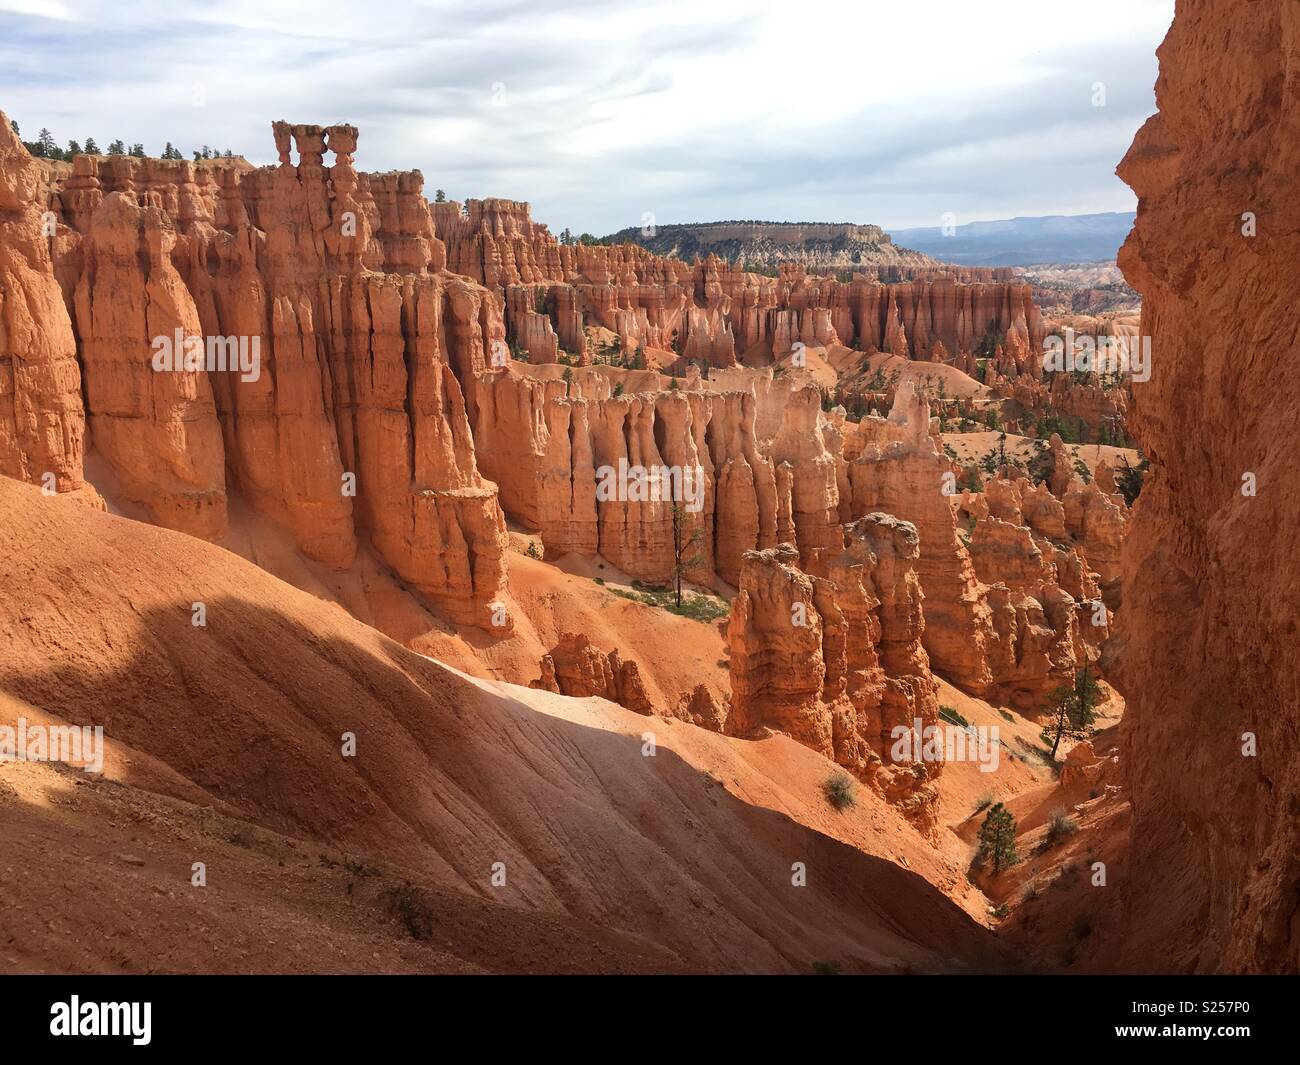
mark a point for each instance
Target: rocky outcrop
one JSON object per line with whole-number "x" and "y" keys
{"x": 347, "y": 413}
{"x": 1206, "y": 648}
{"x": 895, "y": 465}
{"x": 42, "y": 420}
{"x": 836, "y": 661}
{"x": 766, "y": 245}
{"x": 156, "y": 425}
{"x": 552, "y": 443}
{"x": 574, "y": 667}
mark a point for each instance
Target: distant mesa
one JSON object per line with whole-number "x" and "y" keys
{"x": 819, "y": 247}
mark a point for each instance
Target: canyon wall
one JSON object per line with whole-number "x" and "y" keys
{"x": 42, "y": 420}
{"x": 716, "y": 312}
{"x": 1206, "y": 652}
{"x": 138, "y": 282}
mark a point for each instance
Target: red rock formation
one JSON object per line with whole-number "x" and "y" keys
{"x": 356, "y": 417}
{"x": 156, "y": 425}
{"x": 837, "y": 661}
{"x": 548, "y": 448}
{"x": 715, "y": 312}
{"x": 42, "y": 422}
{"x": 574, "y": 667}
{"x": 1206, "y": 649}
{"x": 895, "y": 465}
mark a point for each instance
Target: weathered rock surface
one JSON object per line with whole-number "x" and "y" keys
{"x": 42, "y": 420}
{"x": 714, "y": 312}
{"x": 1206, "y": 652}
{"x": 351, "y": 416}
{"x": 574, "y": 667}
{"x": 837, "y": 661}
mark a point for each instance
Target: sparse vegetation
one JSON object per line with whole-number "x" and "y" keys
{"x": 1128, "y": 479}
{"x": 696, "y": 606}
{"x": 948, "y": 714}
{"x": 1059, "y": 825}
{"x": 687, "y": 534}
{"x": 826, "y": 968}
{"x": 1072, "y": 705}
{"x": 405, "y": 904}
{"x": 46, "y": 147}
{"x": 984, "y": 802}
{"x": 840, "y": 790}
{"x": 997, "y": 839}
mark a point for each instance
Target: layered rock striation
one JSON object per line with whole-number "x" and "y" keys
{"x": 288, "y": 333}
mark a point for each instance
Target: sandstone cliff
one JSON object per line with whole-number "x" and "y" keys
{"x": 1206, "y": 651}
{"x": 348, "y": 413}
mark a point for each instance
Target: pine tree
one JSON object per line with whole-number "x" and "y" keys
{"x": 45, "y": 142}
{"x": 439, "y": 196}
{"x": 117, "y": 148}
{"x": 137, "y": 150}
{"x": 1073, "y": 704}
{"x": 73, "y": 149}
{"x": 91, "y": 147}
{"x": 997, "y": 840}
{"x": 684, "y": 542}
{"x": 14, "y": 126}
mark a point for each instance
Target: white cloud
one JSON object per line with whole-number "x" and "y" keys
{"x": 841, "y": 110}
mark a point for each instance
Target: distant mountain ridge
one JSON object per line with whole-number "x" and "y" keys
{"x": 1080, "y": 238}
{"x": 817, "y": 246}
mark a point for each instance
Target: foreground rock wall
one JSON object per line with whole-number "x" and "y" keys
{"x": 1207, "y": 650}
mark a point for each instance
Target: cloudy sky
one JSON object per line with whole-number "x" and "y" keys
{"x": 601, "y": 111}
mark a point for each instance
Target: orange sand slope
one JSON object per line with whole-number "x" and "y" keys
{"x": 224, "y": 747}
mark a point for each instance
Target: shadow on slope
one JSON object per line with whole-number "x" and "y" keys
{"x": 450, "y": 775}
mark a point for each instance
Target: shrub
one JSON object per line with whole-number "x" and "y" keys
{"x": 405, "y": 904}
{"x": 984, "y": 802}
{"x": 948, "y": 714}
{"x": 826, "y": 968}
{"x": 840, "y": 790}
{"x": 1059, "y": 825}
